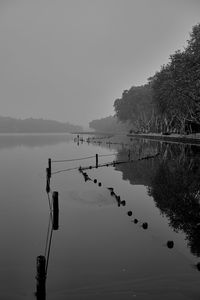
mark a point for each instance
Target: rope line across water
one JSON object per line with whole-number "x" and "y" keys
{"x": 65, "y": 170}
{"x": 74, "y": 159}
{"x": 81, "y": 158}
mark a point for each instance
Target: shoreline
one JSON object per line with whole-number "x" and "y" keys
{"x": 193, "y": 139}
{"x": 176, "y": 138}
{"x": 92, "y": 133}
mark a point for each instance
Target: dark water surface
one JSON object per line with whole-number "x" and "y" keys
{"x": 98, "y": 252}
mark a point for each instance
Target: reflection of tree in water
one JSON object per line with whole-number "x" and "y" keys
{"x": 139, "y": 172}
{"x": 175, "y": 189}
{"x": 173, "y": 181}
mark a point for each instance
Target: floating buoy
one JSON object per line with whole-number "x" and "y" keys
{"x": 99, "y": 184}
{"x": 145, "y": 225}
{"x": 95, "y": 181}
{"x": 198, "y": 266}
{"x": 90, "y": 167}
{"x": 123, "y": 202}
{"x": 129, "y": 213}
{"x": 170, "y": 244}
{"x": 135, "y": 221}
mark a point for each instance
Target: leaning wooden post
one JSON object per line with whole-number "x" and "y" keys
{"x": 97, "y": 163}
{"x": 49, "y": 166}
{"x": 55, "y": 210}
{"x": 41, "y": 277}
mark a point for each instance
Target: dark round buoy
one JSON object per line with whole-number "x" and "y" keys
{"x": 129, "y": 213}
{"x": 99, "y": 184}
{"x": 90, "y": 167}
{"x": 145, "y": 225}
{"x": 107, "y": 165}
{"x": 135, "y": 221}
{"x": 95, "y": 181}
{"x": 198, "y": 266}
{"x": 170, "y": 244}
{"x": 123, "y": 202}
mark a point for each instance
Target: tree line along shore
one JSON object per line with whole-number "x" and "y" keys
{"x": 169, "y": 102}
{"x": 12, "y": 125}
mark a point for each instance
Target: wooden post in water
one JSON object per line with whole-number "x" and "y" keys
{"x": 41, "y": 277}
{"x": 55, "y": 210}
{"x": 49, "y": 167}
{"x": 97, "y": 163}
{"x": 129, "y": 154}
{"x": 47, "y": 181}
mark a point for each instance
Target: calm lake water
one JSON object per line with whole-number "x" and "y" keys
{"x": 98, "y": 252}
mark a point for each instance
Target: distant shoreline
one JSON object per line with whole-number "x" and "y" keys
{"x": 19, "y": 134}
{"x": 93, "y": 132}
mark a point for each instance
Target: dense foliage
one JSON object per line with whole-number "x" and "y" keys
{"x": 108, "y": 124}
{"x": 135, "y": 106}
{"x": 171, "y": 100}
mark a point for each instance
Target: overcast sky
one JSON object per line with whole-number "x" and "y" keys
{"x": 69, "y": 60}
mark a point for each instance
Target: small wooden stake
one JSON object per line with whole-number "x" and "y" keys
{"x": 49, "y": 166}
{"x": 55, "y": 211}
{"x": 97, "y": 164}
{"x": 48, "y": 173}
{"x": 41, "y": 277}
{"x": 47, "y": 181}
{"x": 129, "y": 154}
{"x": 47, "y": 186}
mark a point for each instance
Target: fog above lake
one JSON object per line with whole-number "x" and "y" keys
{"x": 69, "y": 60}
